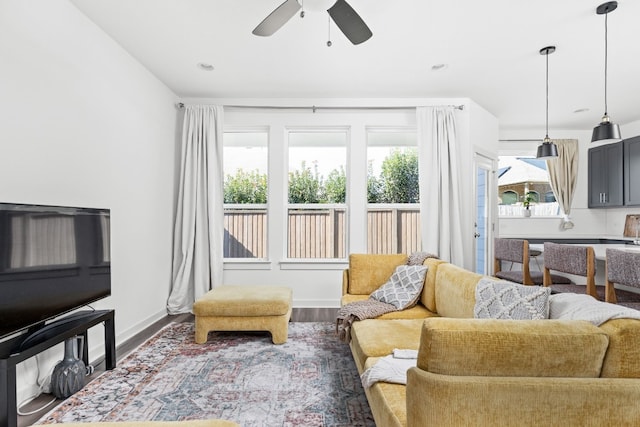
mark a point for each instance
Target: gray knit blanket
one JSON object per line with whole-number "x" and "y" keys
{"x": 359, "y": 310}
{"x": 370, "y": 308}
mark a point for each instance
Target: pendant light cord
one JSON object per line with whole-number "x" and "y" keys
{"x": 547, "y": 106}
{"x": 606, "y": 56}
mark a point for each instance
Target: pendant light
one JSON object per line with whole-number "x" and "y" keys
{"x": 547, "y": 149}
{"x": 606, "y": 131}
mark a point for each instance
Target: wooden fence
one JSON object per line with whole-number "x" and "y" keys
{"x": 321, "y": 232}
{"x": 317, "y": 233}
{"x": 245, "y": 233}
{"x": 393, "y": 230}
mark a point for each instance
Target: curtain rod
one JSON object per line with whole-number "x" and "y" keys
{"x": 315, "y": 108}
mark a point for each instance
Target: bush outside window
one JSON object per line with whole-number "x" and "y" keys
{"x": 245, "y": 194}
{"x": 317, "y": 194}
{"x": 393, "y": 211}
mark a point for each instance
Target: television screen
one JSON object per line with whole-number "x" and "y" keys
{"x": 52, "y": 260}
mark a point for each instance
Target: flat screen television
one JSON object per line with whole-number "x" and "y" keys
{"x": 52, "y": 260}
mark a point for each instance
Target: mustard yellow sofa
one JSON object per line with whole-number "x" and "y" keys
{"x": 487, "y": 372}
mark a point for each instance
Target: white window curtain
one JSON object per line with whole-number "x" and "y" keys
{"x": 440, "y": 192}
{"x": 198, "y": 232}
{"x": 563, "y": 174}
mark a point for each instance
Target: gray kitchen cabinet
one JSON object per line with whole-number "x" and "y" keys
{"x": 606, "y": 176}
{"x": 632, "y": 171}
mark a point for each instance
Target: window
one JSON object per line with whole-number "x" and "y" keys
{"x": 393, "y": 210}
{"x": 549, "y": 197}
{"x": 317, "y": 191}
{"x": 245, "y": 194}
{"x": 517, "y": 176}
{"x": 509, "y": 197}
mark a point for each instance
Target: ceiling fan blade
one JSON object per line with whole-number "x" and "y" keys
{"x": 349, "y": 22}
{"x": 277, "y": 18}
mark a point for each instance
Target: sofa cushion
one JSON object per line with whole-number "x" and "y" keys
{"x": 428, "y": 296}
{"x": 455, "y": 291}
{"x": 508, "y": 348}
{"x": 508, "y": 300}
{"x": 377, "y": 337}
{"x": 480, "y": 401}
{"x": 403, "y": 288}
{"x": 368, "y": 272}
{"x": 387, "y": 401}
{"x": 418, "y": 311}
{"x": 623, "y": 355}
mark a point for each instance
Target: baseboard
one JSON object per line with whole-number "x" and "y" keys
{"x": 316, "y": 303}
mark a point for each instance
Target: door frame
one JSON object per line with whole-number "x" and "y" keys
{"x": 489, "y": 163}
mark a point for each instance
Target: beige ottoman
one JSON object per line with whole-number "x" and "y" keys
{"x": 244, "y": 308}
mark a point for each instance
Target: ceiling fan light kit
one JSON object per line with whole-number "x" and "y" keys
{"x": 606, "y": 131}
{"x": 344, "y": 16}
{"x": 547, "y": 149}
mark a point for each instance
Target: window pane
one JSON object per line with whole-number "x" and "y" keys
{"x": 509, "y": 197}
{"x": 393, "y": 214}
{"x": 245, "y": 194}
{"x": 517, "y": 176}
{"x": 317, "y": 194}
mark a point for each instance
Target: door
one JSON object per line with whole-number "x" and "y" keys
{"x": 485, "y": 189}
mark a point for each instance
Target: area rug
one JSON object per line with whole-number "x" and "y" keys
{"x": 241, "y": 376}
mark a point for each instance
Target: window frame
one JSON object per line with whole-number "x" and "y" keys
{"x": 376, "y": 206}
{"x": 245, "y": 262}
{"x": 315, "y": 263}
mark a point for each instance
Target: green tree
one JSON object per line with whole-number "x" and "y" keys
{"x": 336, "y": 186}
{"x": 245, "y": 187}
{"x": 399, "y": 177}
{"x": 374, "y": 186}
{"x": 305, "y": 185}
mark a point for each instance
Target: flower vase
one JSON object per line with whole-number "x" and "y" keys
{"x": 526, "y": 212}
{"x": 69, "y": 374}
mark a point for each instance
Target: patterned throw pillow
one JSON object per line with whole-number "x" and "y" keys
{"x": 403, "y": 288}
{"x": 508, "y": 300}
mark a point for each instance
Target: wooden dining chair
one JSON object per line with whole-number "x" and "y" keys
{"x": 571, "y": 259}
{"x": 623, "y": 268}
{"x": 515, "y": 251}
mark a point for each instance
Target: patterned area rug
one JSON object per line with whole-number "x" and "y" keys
{"x": 240, "y": 376}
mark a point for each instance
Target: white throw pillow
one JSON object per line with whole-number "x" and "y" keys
{"x": 403, "y": 288}
{"x": 508, "y": 300}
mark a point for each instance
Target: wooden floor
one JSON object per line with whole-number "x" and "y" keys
{"x": 297, "y": 315}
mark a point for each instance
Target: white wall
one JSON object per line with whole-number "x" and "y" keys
{"x": 589, "y": 223}
{"x": 84, "y": 124}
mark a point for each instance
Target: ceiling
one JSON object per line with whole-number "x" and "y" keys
{"x": 491, "y": 50}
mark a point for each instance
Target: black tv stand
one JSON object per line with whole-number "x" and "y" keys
{"x": 21, "y": 348}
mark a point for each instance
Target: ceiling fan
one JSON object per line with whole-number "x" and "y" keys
{"x": 347, "y": 19}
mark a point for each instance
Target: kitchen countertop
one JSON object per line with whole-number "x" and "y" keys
{"x": 600, "y": 249}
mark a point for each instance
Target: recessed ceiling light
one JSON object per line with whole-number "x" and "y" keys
{"x": 205, "y": 66}
{"x": 438, "y": 67}
{"x": 581, "y": 110}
